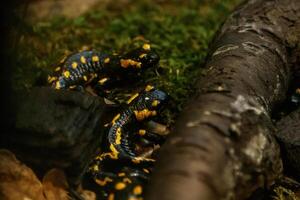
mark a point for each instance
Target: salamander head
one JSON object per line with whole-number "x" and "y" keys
{"x": 144, "y": 57}
{"x": 151, "y": 98}
{"x": 149, "y": 59}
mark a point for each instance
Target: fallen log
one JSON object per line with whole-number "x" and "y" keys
{"x": 222, "y": 145}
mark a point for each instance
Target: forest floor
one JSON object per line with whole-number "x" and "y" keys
{"x": 180, "y": 31}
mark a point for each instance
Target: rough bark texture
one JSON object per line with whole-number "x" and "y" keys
{"x": 57, "y": 129}
{"x": 222, "y": 146}
{"x": 288, "y": 134}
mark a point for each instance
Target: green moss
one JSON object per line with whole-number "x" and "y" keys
{"x": 180, "y": 31}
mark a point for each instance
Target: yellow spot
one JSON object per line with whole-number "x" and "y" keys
{"x": 74, "y": 65}
{"x": 127, "y": 180}
{"x": 72, "y": 86}
{"x": 57, "y": 85}
{"x": 103, "y": 182}
{"x": 132, "y": 98}
{"x": 51, "y": 79}
{"x": 85, "y": 78}
{"x": 114, "y": 154}
{"x": 137, "y": 190}
{"x": 67, "y": 74}
{"x": 102, "y": 81}
{"x": 144, "y": 114}
{"x": 155, "y": 103}
{"x": 82, "y": 59}
{"x": 113, "y": 121}
{"x": 298, "y": 90}
{"x": 57, "y": 69}
{"x": 118, "y": 136}
{"x": 148, "y": 88}
{"x": 125, "y": 63}
{"x": 106, "y": 60}
{"x": 111, "y": 196}
{"x": 146, "y": 170}
{"x": 120, "y": 186}
{"x": 142, "y": 132}
{"x": 146, "y": 46}
{"x": 95, "y": 58}
{"x": 94, "y": 168}
{"x": 142, "y": 55}
{"x": 121, "y": 174}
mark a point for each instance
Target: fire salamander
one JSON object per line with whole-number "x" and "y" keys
{"x": 141, "y": 106}
{"x": 128, "y": 184}
{"x": 99, "y": 69}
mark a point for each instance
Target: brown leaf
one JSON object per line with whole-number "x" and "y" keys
{"x": 86, "y": 194}
{"x": 17, "y": 181}
{"x": 55, "y": 185}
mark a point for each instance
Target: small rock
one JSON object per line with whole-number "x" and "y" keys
{"x": 58, "y": 129}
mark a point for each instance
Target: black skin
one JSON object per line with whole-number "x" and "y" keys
{"x": 121, "y": 129}
{"x": 105, "y": 183}
{"x": 100, "y": 69}
{"x": 127, "y": 118}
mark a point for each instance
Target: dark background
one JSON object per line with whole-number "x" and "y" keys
{"x": 8, "y": 22}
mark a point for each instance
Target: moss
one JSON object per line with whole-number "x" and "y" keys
{"x": 179, "y": 30}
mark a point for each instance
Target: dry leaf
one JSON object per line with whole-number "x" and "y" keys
{"x": 17, "y": 181}
{"x": 55, "y": 185}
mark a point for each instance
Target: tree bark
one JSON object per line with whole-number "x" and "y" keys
{"x": 222, "y": 145}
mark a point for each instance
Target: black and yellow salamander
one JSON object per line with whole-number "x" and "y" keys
{"x": 128, "y": 182}
{"x": 99, "y": 69}
{"x": 141, "y": 106}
